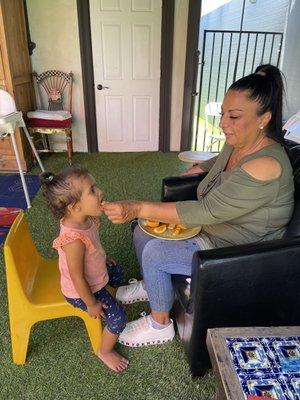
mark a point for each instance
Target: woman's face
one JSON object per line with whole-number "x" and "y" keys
{"x": 239, "y": 120}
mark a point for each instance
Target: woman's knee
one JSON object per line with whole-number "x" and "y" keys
{"x": 153, "y": 253}
{"x": 140, "y": 238}
{"x": 137, "y": 234}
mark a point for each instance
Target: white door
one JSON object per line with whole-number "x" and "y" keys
{"x": 126, "y": 38}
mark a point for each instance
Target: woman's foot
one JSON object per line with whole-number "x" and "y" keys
{"x": 113, "y": 360}
{"x": 132, "y": 293}
{"x": 142, "y": 333}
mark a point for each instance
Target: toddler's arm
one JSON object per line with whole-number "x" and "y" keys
{"x": 75, "y": 252}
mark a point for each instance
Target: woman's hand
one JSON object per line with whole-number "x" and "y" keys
{"x": 119, "y": 212}
{"x": 96, "y": 310}
{"x": 196, "y": 169}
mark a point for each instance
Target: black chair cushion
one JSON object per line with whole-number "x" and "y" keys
{"x": 180, "y": 188}
{"x": 293, "y": 150}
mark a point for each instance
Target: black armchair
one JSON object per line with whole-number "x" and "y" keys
{"x": 246, "y": 285}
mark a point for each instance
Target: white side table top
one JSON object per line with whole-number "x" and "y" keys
{"x": 194, "y": 156}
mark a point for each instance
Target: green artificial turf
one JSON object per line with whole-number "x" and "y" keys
{"x": 60, "y": 363}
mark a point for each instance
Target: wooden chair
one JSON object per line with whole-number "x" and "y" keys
{"x": 33, "y": 287}
{"x": 57, "y": 119}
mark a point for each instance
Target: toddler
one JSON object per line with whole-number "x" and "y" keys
{"x": 88, "y": 279}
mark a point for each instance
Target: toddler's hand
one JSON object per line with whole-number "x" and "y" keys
{"x": 96, "y": 310}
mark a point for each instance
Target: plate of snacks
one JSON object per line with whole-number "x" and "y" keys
{"x": 166, "y": 231}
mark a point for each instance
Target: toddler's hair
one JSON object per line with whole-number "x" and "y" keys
{"x": 59, "y": 190}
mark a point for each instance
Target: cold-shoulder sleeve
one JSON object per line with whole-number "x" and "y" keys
{"x": 70, "y": 237}
{"x": 235, "y": 197}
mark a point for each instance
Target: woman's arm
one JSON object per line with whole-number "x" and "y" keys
{"x": 202, "y": 166}
{"x": 75, "y": 252}
{"x": 122, "y": 211}
{"x": 196, "y": 169}
{"x": 238, "y": 195}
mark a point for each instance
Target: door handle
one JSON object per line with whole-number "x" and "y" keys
{"x": 100, "y": 87}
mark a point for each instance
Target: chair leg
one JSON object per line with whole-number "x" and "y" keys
{"x": 45, "y": 141}
{"x": 24, "y": 185}
{"x": 33, "y": 148}
{"x": 69, "y": 145}
{"x": 19, "y": 341}
{"x": 94, "y": 330}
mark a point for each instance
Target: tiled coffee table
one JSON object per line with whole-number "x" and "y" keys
{"x": 256, "y": 361}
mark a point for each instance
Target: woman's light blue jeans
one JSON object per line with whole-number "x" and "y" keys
{"x": 159, "y": 259}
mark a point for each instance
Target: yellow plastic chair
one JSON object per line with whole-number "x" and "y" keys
{"x": 33, "y": 286}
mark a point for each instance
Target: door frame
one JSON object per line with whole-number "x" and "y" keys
{"x": 191, "y": 69}
{"x": 86, "y": 55}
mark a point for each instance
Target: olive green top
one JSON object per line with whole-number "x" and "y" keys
{"x": 233, "y": 207}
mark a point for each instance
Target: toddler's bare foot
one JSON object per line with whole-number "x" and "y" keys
{"x": 113, "y": 360}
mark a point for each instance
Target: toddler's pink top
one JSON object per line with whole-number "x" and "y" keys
{"x": 95, "y": 271}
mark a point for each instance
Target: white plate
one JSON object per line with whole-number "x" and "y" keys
{"x": 194, "y": 156}
{"x": 167, "y": 235}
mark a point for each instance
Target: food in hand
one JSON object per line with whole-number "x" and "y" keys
{"x": 160, "y": 229}
{"x": 152, "y": 224}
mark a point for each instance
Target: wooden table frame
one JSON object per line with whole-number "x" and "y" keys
{"x": 229, "y": 387}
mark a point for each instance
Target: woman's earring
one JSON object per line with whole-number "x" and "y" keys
{"x": 261, "y": 127}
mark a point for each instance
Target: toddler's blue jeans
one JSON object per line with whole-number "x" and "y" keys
{"x": 159, "y": 259}
{"x": 115, "y": 316}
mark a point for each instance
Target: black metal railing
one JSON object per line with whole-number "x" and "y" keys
{"x": 227, "y": 56}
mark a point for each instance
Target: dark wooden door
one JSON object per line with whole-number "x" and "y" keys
{"x": 16, "y": 75}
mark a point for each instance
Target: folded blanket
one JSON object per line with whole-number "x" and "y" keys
{"x": 59, "y": 115}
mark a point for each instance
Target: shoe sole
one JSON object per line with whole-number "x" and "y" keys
{"x": 134, "y": 301}
{"x": 149, "y": 343}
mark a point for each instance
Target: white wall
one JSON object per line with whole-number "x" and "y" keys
{"x": 262, "y": 15}
{"x": 54, "y": 29}
{"x": 179, "y": 50}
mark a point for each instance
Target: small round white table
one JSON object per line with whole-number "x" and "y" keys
{"x": 195, "y": 156}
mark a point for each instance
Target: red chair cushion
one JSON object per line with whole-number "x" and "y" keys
{"x": 49, "y": 123}
{"x": 8, "y": 215}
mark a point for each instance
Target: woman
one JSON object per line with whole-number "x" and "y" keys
{"x": 247, "y": 196}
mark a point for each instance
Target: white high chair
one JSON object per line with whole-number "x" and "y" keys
{"x": 10, "y": 119}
